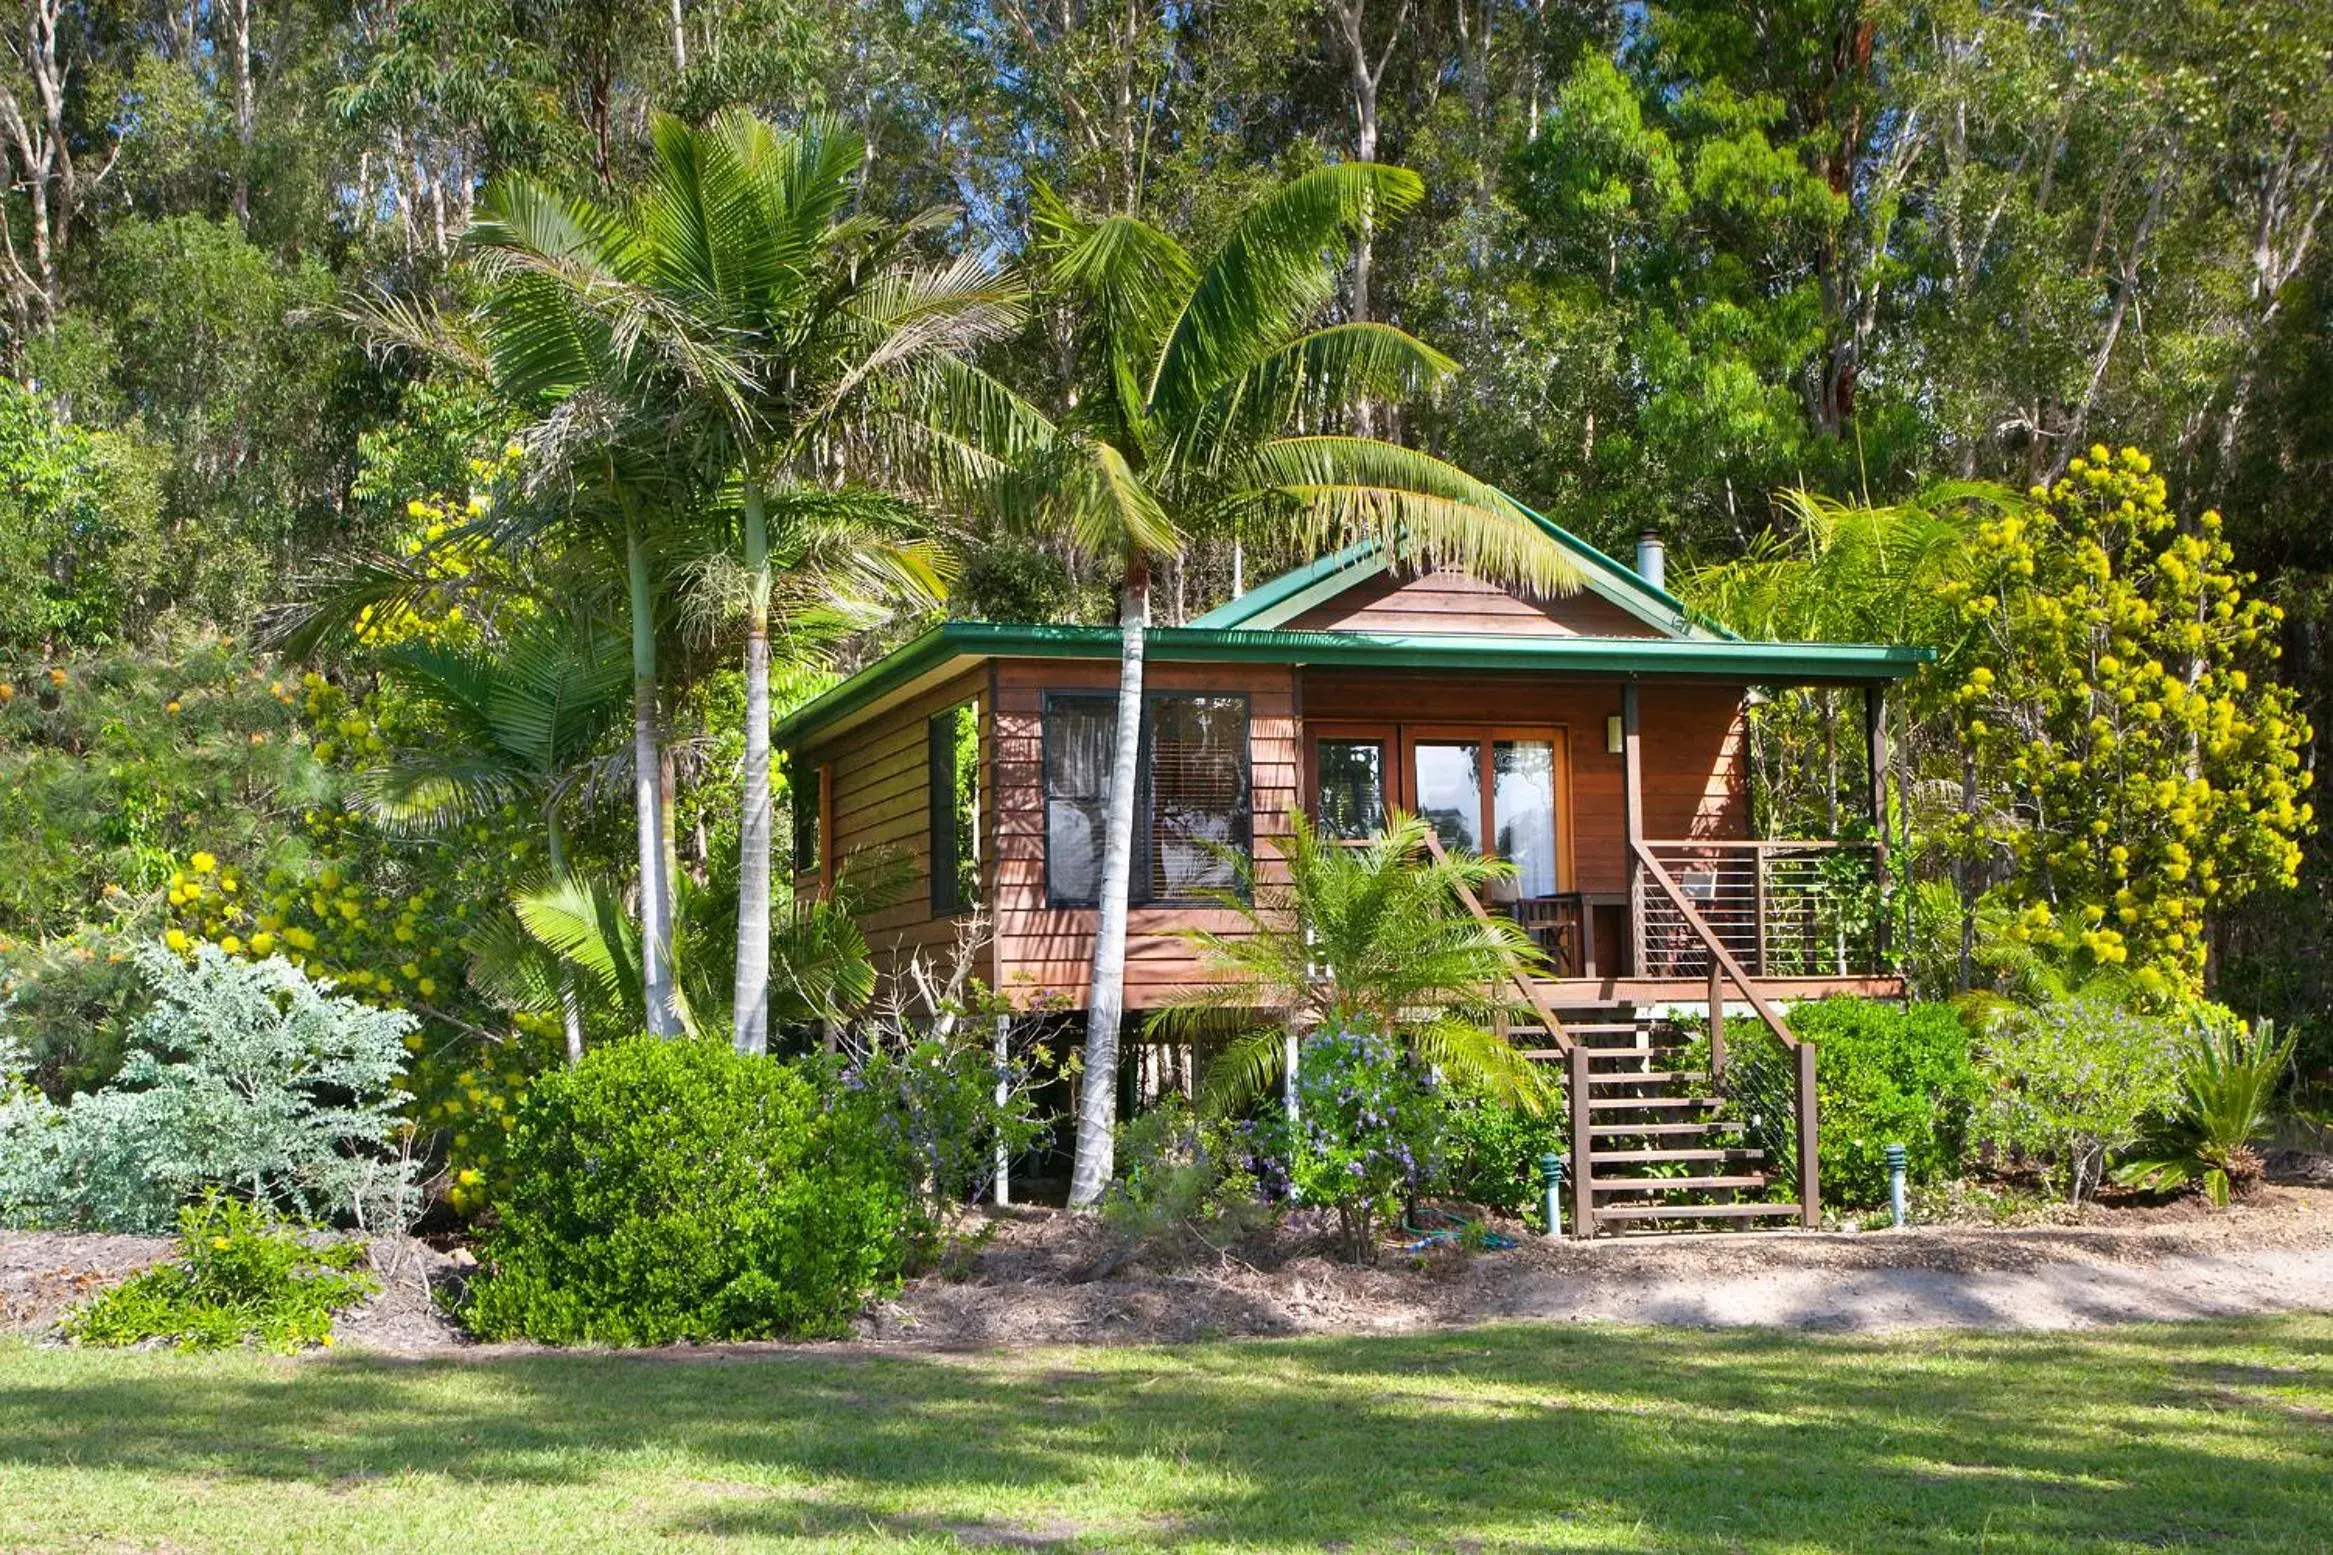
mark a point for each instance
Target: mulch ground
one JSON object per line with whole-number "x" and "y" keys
{"x": 1038, "y": 1276}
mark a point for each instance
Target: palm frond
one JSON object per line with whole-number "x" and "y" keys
{"x": 1424, "y": 512}
{"x": 1279, "y": 266}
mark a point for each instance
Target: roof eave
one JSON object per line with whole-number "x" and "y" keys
{"x": 1703, "y": 657}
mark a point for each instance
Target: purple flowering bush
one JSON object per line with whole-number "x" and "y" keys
{"x": 1366, "y": 1133}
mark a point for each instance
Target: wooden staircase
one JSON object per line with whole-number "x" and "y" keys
{"x": 1663, "y": 1150}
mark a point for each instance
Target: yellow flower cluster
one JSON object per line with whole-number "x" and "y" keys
{"x": 2117, "y": 693}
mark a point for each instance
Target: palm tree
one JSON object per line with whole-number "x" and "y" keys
{"x": 748, "y": 245}
{"x": 1201, "y": 380}
{"x": 734, "y": 330}
{"x": 1368, "y": 938}
{"x": 521, "y": 725}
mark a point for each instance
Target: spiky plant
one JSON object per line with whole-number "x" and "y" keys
{"x": 2227, "y": 1085}
{"x": 1363, "y": 938}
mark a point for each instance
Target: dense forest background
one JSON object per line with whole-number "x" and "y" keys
{"x": 1687, "y": 255}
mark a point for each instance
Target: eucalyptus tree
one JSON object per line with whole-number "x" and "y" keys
{"x": 1206, "y": 393}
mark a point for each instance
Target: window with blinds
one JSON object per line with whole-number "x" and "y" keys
{"x": 1195, "y": 796}
{"x": 1080, "y": 736}
{"x": 1190, "y": 802}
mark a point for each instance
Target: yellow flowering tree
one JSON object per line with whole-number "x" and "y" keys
{"x": 2117, "y": 698}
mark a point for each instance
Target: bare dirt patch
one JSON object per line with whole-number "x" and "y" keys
{"x": 1048, "y": 1278}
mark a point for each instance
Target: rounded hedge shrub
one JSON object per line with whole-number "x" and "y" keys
{"x": 1888, "y": 1074}
{"x": 678, "y": 1190}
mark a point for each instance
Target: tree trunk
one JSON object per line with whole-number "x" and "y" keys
{"x": 1106, "y": 987}
{"x": 570, "y": 1000}
{"x": 753, "y": 822}
{"x": 648, "y": 797}
{"x": 238, "y": 16}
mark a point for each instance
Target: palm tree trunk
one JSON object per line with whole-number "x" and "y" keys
{"x": 1097, "y": 1112}
{"x": 570, "y": 1001}
{"x": 753, "y": 824}
{"x": 647, "y": 794}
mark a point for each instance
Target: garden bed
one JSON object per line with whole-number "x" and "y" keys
{"x": 1041, "y": 1276}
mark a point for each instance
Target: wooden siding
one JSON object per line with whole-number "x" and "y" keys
{"x": 879, "y": 795}
{"x": 879, "y": 810}
{"x": 1451, "y": 601}
{"x": 1694, "y": 776}
{"x": 1044, "y": 953}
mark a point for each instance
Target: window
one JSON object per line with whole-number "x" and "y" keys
{"x": 954, "y": 796}
{"x": 1352, "y": 787}
{"x": 1523, "y": 805}
{"x": 807, "y": 791}
{"x": 1191, "y": 801}
{"x": 1080, "y": 733}
{"x": 1195, "y": 796}
{"x": 1449, "y": 786}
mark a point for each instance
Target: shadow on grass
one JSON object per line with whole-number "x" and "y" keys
{"x": 2205, "y": 1434}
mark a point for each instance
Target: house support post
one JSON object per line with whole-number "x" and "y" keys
{"x": 1875, "y": 746}
{"x": 1004, "y": 1094}
{"x": 1716, "y": 1021}
{"x": 1632, "y": 812}
{"x": 1583, "y": 1144}
{"x": 1810, "y": 1196}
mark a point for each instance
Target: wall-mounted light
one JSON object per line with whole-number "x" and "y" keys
{"x": 1612, "y": 735}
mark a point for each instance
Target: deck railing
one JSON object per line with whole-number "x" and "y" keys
{"x": 1722, "y": 967}
{"x": 1781, "y": 909}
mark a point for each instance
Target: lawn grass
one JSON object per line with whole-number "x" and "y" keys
{"x": 2205, "y": 1436}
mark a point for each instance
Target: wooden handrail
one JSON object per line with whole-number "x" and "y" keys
{"x": 1523, "y": 985}
{"x": 1768, "y": 844}
{"x": 1810, "y": 1212}
{"x": 1718, "y": 954}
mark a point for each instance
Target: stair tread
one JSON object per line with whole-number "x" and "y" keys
{"x": 1693, "y": 1211}
{"x": 1607, "y": 1129}
{"x": 1651, "y": 1076}
{"x": 1616, "y": 1157}
{"x": 1676, "y": 1184}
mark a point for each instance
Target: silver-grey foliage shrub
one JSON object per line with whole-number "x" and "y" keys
{"x": 244, "y": 1075}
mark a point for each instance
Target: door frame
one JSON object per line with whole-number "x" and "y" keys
{"x": 1400, "y": 740}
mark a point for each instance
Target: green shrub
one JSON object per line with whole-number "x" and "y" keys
{"x": 240, "y": 1277}
{"x": 678, "y": 1190}
{"x": 244, "y": 1075}
{"x": 1184, "y": 1179}
{"x": 1885, "y": 1074}
{"x": 2073, "y": 1081}
{"x": 1490, "y": 1153}
{"x": 1365, "y": 1134}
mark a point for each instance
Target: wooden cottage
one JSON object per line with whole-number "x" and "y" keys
{"x": 1595, "y": 739}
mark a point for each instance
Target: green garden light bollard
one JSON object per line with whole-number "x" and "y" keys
{"x": 1895, "y": 1182}
{"x": 1551, "y": 1173}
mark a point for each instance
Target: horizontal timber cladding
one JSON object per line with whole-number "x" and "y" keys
{"x": 1449, "y": 601}
{"x": 879, "y": 801}
{"x": 1695, "y": 779}
{"x": 1045, "y": 952}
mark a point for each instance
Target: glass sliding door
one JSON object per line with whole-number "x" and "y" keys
{"x": 1447, "y": 780}
{"x": 1523, "y": 812}
{"x": 1349, "y": 779}
{"x": 1489, "y": 789}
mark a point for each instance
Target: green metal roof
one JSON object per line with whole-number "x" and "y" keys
{"x": 1702, "y": 657}
{"x": 1296, "y": 591}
